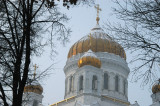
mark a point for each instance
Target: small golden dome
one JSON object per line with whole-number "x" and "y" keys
{"x": 89, "y": 58}
{"x": 34, "y": 87}
{"x": 156, "y": 87}
{"x": 100, "y": 42}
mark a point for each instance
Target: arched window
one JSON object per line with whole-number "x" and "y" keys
{"x": 35, "y": 103}
{"x": 66, "y": 82}
{"x": 72, "y": 86}
{"x": 81, "y": 83}
{"x": 105, "y": 81}
{"x": 124, "y": 86}
{"x": 116, "y": 83}
{"x": 70, "y": 83}
{"x": 94, "y": 83}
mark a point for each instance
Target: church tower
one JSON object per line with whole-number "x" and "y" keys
{"x": 156, "y": 94}
{"x": 33, "y": 93}
{"x": 96, "y": 71}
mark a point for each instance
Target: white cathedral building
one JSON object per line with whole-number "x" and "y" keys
{"x": 96, "y": 74}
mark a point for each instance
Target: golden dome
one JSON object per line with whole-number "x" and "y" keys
{"x": 34, "y": 87}
{"x": 100, "y": 42}
{"x": 156, "y": 87}
{"x": 89, "y": 58}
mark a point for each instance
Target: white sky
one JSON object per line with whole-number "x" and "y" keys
{"x": 83, "y": 19}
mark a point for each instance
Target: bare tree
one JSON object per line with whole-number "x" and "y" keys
{"x": 24, "y": 27}
{"x": 140, "y": 34}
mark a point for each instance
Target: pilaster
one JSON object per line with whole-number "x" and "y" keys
{"x": 112, "y": 81}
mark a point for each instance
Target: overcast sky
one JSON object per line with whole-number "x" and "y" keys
{"x": 82, "y": 20}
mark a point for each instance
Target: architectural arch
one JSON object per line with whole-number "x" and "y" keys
{"x": 66, "y": 83}
{"x": 124, "y": 86}
{"x": 94, "y": 82}
{"x": 106, "y": 81}
{"x": 117, "y": 83}
{"x": 81, "y": 83}
{"x": 35, "y": 103}
{"x": 70, "y": 83}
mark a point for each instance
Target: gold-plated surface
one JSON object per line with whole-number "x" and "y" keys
{"x": 116, "y": 100}
{"x": 89, "y": 61}
{"x": 97, "y": 45}
{"x": 156, "y": 88}
{"x": 65, "y": 100}
{"x": 33, "y": 88}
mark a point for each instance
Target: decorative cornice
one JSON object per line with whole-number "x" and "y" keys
{"x": 116, "y": 100}
{"x": 65, "y": 100}
{"x": 103, "y": 96}
{"x": 99, "y": 55}
{"x": 105, "y": 57}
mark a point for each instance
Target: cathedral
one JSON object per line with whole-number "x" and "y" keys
{"x": 96, "y": 74}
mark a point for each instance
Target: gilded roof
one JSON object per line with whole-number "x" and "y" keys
{"x": 34, "y": 87}
{"x": 98, "y": 42}
{"x": 156, "y": 87}
{"x": 89, "y": 58}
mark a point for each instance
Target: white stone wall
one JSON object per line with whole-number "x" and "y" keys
{"x": 112, "y": 64}
{"x": 90, "y": 100}
{"x": 156, "y": 99}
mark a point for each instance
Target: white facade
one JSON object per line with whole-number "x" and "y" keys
{"x": 92, "y": 86}
{"x": 88, "y": 85}
{"x": 113, "y": 66}
{"x": 156, "y": 99}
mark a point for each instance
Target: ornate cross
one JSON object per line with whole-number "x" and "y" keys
{"x": 35, "y": 68}
{"x": 98, "y": 9}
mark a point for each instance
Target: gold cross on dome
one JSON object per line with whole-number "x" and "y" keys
{"x": 35, "y": 68}
{"x": 98, "y": 9}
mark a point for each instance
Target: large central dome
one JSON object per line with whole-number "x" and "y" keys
{"x": 98, "y": 41}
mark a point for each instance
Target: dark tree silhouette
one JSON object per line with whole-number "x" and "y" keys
{"x": 140, "y": 34}
{"x": 23, "y": 25}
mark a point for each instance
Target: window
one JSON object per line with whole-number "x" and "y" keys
{"x": 66, "y": 83}
{"x": 81, "y": 83}
{"x": 105, "y": 81}
{"x": 35, "y": 103}
{"x": 94, "y": 83}
{"x": 70, "y": 83}
{"x": 124, "y": 86}
{"x": 116, "y": 83}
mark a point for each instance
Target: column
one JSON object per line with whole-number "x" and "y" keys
{"x": 111, "y": 81}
